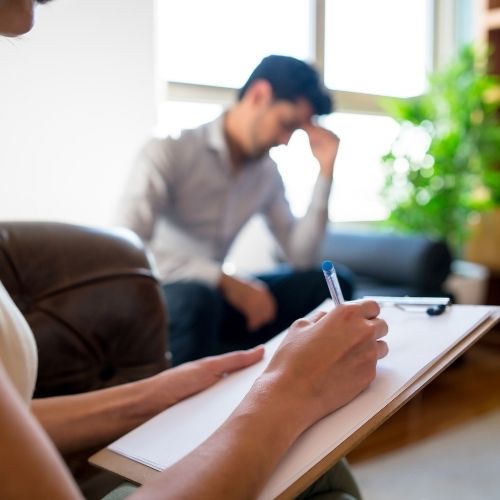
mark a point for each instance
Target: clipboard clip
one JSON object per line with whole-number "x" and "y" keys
{"x": 432, "y": 306}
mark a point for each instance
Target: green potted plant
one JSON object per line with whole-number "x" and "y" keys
{"x": 444, "y": 167}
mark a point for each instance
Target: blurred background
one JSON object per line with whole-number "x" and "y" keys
{"x": 95, "y": 78}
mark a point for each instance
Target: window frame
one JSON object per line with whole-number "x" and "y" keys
{"x": 445, "y": 40}
{"x": 443, "y": 44}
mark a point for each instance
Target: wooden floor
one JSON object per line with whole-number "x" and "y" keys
{"x": 468, "y": 388}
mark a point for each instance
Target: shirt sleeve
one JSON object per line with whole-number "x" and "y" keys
{"x": 300, "y": 239}
{"x": 146, "y": 193}
{"x": 147, "y": 197}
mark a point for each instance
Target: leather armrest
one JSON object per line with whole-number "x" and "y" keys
{"x": 391, "y": 258}
{"x": 92, "y": 301}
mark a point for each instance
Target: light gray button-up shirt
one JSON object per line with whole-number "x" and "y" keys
{"x": 187, "y": 203}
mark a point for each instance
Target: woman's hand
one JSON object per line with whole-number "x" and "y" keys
{"x": 327, "y": 360}
{"x": 171, "y": 386}
{"x": 82, "y": 421}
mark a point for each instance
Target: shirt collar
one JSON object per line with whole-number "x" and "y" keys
{"x": 215, "y": 135}
{"x": 216, "y": 140}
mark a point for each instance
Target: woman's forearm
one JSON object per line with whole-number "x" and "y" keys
{"x": 83, "y": 421}
{"x": 238, "y": 458}
{"x": 322, "y": 364}
{"x": 31, "y": 467}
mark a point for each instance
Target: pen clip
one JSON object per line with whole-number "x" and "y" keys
{"x": 433, "y": 310}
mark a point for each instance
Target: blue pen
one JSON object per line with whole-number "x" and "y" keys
{"x": 333, "y": 282}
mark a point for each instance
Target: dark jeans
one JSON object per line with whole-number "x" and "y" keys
{"x": 202, "y": 322}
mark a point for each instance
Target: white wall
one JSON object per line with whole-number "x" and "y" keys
{"x": 77, "y": 99}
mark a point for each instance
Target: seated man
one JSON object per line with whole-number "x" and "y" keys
{"x": 189, "y": 197}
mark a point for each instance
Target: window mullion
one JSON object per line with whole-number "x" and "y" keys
{"x": 318, "y": 34}
{"x": 346, "y": 102}
{"x": 445, "y": 32}
{"x": 356, "y": 102}
{"x": 192, "y": 92}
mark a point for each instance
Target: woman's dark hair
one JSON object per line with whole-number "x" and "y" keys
{"x": 290, "y": 80}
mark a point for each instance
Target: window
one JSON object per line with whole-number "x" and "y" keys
{"x": 358, "y": 176}
{"x": 175, "y": 116}
{"x": 366, "y": 49}
{"x": 226, "y": 39}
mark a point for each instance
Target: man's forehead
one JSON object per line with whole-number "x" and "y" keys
{"x": 304, "y": 109}
{"x": 299, "y": 111}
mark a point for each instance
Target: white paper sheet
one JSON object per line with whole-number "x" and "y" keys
{"x": 416, "y": 341}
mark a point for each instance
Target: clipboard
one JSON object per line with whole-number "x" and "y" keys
{"x": 286, "y": 484}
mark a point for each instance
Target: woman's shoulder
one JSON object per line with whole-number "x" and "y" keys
{"x": 17, "y": 346}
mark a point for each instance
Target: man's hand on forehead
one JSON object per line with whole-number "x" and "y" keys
{"x": 324, "y": 146}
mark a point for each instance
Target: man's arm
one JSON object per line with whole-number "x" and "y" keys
{"x": 147, "y": 190}
{"x": 147, "y": 197}
{"x": 301, "y": 239}
{"x": 251, "y": 297}
{"x": 83, "y": 421}
{"x": 321, "y": 365}
{"x": 325, "y": 147}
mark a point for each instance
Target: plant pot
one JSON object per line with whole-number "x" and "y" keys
{"x": 483, "y": 246}
{"x": 467, "y": 282}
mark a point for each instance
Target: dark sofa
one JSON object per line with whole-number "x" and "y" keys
{"x": 95, "y": 308}
{"x": 91, "y": 299}
{"x": 390, "y": 264}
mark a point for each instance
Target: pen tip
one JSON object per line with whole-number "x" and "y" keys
{"x": 327, "y": 265}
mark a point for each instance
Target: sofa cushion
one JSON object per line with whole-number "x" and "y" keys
{"x": 92, "y": 301}
{"x": 404, "y": 261}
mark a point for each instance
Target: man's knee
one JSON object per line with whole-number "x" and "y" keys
{"x": 345, "y": 277}
{"x": 314, "y": 281}
{"x": 192, "y": 299}
{"x": 194, "y": 311}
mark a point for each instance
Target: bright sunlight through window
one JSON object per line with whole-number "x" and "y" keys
{"x": 377, "y": 48}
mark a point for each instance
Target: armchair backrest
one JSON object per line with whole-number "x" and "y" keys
{"x": 92, "y": 301}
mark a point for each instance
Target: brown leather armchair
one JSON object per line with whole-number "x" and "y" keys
{"x": 92, "y": 301}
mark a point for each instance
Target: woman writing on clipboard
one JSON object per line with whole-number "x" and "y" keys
{"x": 323, "y": 363}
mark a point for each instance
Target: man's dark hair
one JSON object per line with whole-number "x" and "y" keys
{"x": 290, "y": 80}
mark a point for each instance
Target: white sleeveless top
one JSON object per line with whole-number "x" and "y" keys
{"x": 18, "y": 352}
